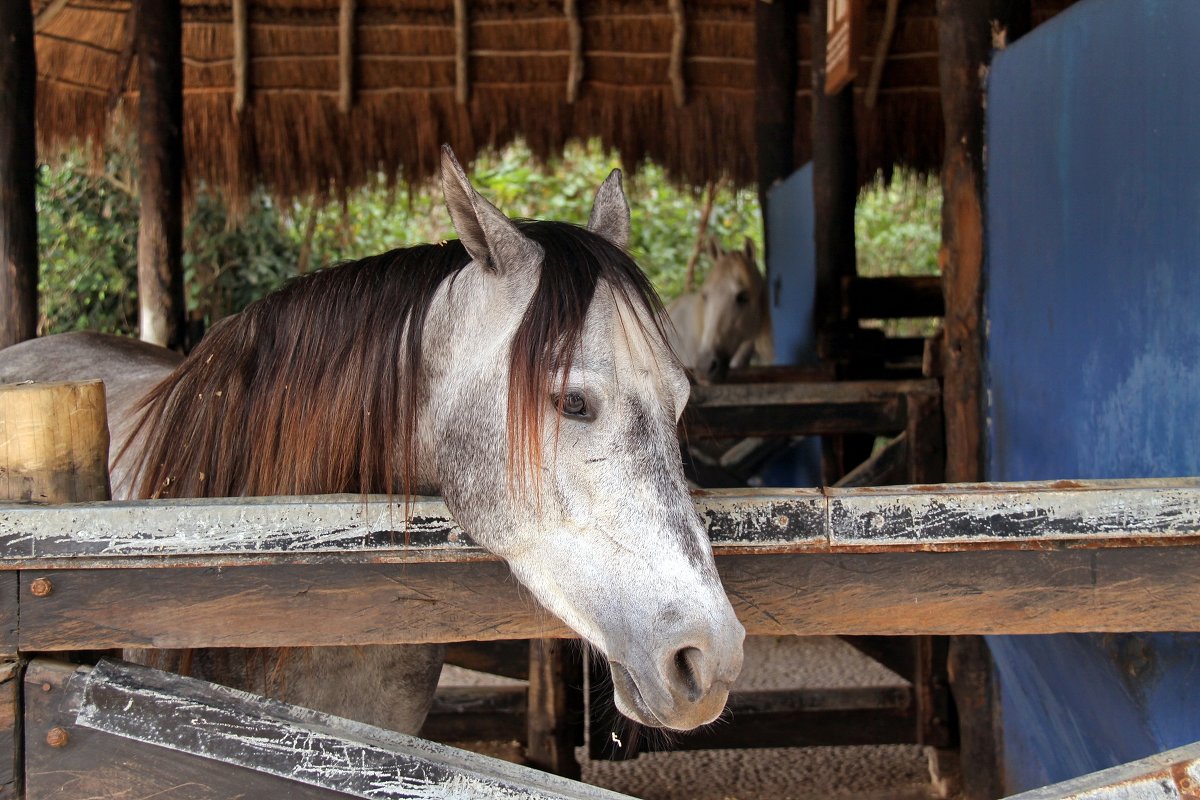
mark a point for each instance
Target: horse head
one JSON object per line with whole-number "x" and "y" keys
{"x": 736, "y": 309}
{"x": 552, "y": 407}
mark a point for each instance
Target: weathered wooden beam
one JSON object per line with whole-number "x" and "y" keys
{"x": 1170, "y": 775}
{"x": 575, "y": 38}
{"x": 1038, "y": 558}
{"x": 776, "y": 62}
{"x": 976, "y": 693}
{"x": 678, "y": 51}
{"x": 18, "y": 175}
{"x": 346, "y": 18}
{"x": 462, "y": 52}
{"x": 965, "y": 47}
{"x": 161, "y": 308}
{"x": 881, "y": 53}
{"x": 143, "y": 732}
{"x": 343, "y": 530}
{"x": 835, "y": 180}
{"x": 241, "y": 55}
{"x": 10, "y": 729}
{"x": 888, "y": 467}
{"x": 555, "y": 712}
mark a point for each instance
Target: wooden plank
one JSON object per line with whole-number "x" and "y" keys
{"x": 342, "y": 528}
{"x": 161, "y": 309}
{"x": 977, "y": 704}
{"x": 789, "y": 718}
{"x": 9, "y": 614}
{"x": 274, "y": 746}
{"x": 925, "y": 434}
{"x": 555, "y": 711}
{"x": 880, "y": 593}
{"x": 18, "y": 175}
{"x": 10, "y": 729}
{"x": 1170, "y": 775}
{"x": 965, "y": 48}
{"x": 507, "y": 658}
{"x": 887, "y": 467}
{"x": 472, "y": 714}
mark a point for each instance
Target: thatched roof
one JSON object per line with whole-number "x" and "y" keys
{"x": 292, "y": 136}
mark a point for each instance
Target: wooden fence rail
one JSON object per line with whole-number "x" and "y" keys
{"x": 1029, "y": 558}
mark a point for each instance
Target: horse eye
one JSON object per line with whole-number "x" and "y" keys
{"x": 573, "y": 405}
{"x": 743, "y": 297}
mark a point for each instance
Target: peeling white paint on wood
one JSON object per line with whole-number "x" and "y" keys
{"x": 1170, "y": 775}
{"x": 792, "y": 520}
{"x": 298, "y": 744}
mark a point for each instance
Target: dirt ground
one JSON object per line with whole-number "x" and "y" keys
{"x": 892, "y": 772}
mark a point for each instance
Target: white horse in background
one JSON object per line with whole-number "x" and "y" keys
{"x": 727, "y": 322}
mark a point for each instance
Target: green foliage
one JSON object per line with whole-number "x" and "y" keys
{"x": 897, "y": 229}
{"x": 87, "y": 242}
{"x": 665, "y": 217}
{"x": 88, "y": 229}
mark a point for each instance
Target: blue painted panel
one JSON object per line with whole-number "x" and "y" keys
{"x": 1093, "y": 310}
{"x": 792, "y": 267}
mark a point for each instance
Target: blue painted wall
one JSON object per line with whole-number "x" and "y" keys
{"x": 1093, "y": 353}
{"x": 792, "y": 267}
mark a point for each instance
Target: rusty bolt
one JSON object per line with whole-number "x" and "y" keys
{"x": 41, "y": 587}
{"x": 57, "y": 737}
{"x": 46, "y": 687}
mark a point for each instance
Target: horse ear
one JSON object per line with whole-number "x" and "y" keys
{"x": 749, "y": 251}
{"x": 610, "y": 211}
{"x": 490, "y": 237}
{"x": 713, "y": 248}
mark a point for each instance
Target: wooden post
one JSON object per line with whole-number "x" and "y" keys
{"x": 346, "y": 15}
{"x": 835, "y": 180}
{"x": 554, "y": 717}
{"x": 159, "y": 32}
{"x": 53, "y": 442}
{"x": 775, "y": 57}
{"x": 18, "y": 175}
{"x": 53, "y": 449}
{"x": 965, "y": 47}
{"x": 241, "y": 55}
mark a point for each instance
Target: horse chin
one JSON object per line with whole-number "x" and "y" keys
{"x": 632, "y": 703}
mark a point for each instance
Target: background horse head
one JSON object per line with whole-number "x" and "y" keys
{"x": 727, "y": 322}
{"x": 521, "y": 372}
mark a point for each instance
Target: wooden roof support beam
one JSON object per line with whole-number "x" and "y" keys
{"x": 462, "y": 52}
{"x": 346, "y": 15}
{"x": 965, "y": 49}
{"x": 48, "y": 14}
{"x": 575, "y": 36}
{"x": 18, "y": 175}
{"x": 161, "y": 308}
{"x": 241, "y": 55}
{"x": 835, "y": 180}
{"x": 881, "y": 53}
{"x": 678, "y": 49}
{"x": 776, "y": 72}
{"x": 125, "y": 65}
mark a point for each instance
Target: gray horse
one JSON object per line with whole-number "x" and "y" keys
{"x": 521, "y": 372}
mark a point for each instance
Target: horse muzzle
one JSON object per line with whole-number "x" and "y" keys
{"x": 677, "y": 688}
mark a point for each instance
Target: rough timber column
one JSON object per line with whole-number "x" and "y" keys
{"x": 965, "y": 31}
{"x": 776, "y": 67}
{"x": 835, "y": 180}
{"x": 18, "y": 175}
{"x": 159, "y": 34}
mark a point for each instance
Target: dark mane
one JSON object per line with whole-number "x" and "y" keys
{"x": 310, "y": 389}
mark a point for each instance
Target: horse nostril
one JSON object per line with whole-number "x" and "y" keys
{"x": 688, "y": 667}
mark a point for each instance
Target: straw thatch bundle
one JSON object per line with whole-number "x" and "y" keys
{"x": 411, "y": 62}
